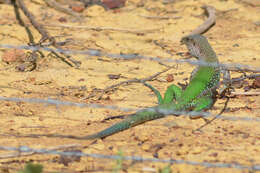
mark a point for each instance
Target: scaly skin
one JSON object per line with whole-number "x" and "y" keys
{"x": 198, "y": 96}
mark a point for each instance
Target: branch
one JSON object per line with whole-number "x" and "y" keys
{"x": 211, "y": 20}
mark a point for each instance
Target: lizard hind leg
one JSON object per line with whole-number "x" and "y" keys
{"x": 173, "y": 92}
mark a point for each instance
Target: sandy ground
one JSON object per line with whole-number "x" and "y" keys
{"x": 235, "y": 38}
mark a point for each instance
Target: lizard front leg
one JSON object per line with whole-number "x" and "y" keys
{"x": 172, "y": 93}
{"x": 226, "y": 82}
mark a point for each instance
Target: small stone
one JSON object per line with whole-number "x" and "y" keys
{"x": 256, "y": 83}
{"x": 62, "y": 19}
{"x": 78, "y": 8}
{"x": 114, "y": 76}
{"x": 170, "y": 78}
{"x": 81, "y": 80}
{"x": 14, "y": 55}
{"x": 113, "y": 3}
{"x": 214, "y": 154}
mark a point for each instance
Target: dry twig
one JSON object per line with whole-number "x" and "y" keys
{"x": 45, "y": 35}
{"x": 214, "y": 118}
{"x": 244, "y": 93}
{"x": 211, "y": 20}
{"x": 58, "y": 7}
{"x": 112, "y": 87}
{"x": 105, "y": 29}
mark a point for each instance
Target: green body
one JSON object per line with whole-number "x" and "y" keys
{"x": 198, "y": 96}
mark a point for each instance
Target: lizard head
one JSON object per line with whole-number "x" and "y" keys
{"x": 199, "y": 47}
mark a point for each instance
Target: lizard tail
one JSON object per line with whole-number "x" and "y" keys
{"x": 132, "y": 120}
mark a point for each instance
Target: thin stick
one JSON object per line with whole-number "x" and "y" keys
{"x": 210, "y": 121}
{"x": 252, "y": 76}
{"x": 244, "y": 93}
{"x": 58, "y": 7}
{"x": 44, "y": 33}
{"x": 238, "y": 68}
{"x": 31, "y": 17}
{"x": 105, "y": 28}
{"x": 211, "y": 20}
{"x": 128, "y": 82}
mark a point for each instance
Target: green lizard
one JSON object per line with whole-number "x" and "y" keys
{"x": 198, "y": 96}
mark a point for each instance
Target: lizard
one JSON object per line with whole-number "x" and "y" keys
{"x": 199, "y": 95}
